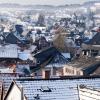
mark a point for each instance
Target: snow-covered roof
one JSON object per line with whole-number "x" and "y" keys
{"x": 23, "y": 69}
{"x": 49, "y": 38}
{"x": 6, "y": 70}
{"x": 97, "y": 16}
{"x": 25, "y": 55}
{"x": 7, "y": 78}
{"x": 13, "y": 46}
{"x": 8, "y": 52}
{"x": 32, "y": 48}
{"x": 18, "y": 36}
{"x": 55, "y": 89}
{"x": 56, "y": 65}
{"x": 88, "y": 93}
{"x": 6, "y": 30}
{"x": 66, "y": 55}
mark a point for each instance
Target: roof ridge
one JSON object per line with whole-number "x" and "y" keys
{"x": 60, "y": 78}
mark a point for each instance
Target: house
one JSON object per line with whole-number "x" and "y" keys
{"x": 41, "y": 42}
{"x": 82, "y": 66}
{"x": 49, "y": 63}
{"x": 41, "y": 28}
{"x": 23, "y": 69}
{"x": 92, "y": 47}
{"x": 13, "y": 39}
{"x": 55, "y": 67}
{"x": 19, "y": 28}
{"x": 69, "y": 70}
{"x": 6, "y": 79}
{"x": 14, "y": 60}
{"x": 51, "y": 89}
{"x": 43, "y": 55}
{"x": 8, "y": 58}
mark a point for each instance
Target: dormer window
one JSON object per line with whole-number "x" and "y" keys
{"x": 45, "y": 89}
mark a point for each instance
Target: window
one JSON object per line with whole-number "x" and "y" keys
{"x": 70, "y": 71}
{"x": 35, "y": 74}
{"x": 78, "y": 72}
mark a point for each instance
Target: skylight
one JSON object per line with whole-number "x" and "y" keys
{"x": 45, "y": 89}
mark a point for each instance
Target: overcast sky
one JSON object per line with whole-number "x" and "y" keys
{"x": 45, "y": 2}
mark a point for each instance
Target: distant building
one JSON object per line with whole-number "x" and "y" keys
{"x": 92, "y": 47}
{"x": 39, "y": 28}
{"x": 68, "y": 70}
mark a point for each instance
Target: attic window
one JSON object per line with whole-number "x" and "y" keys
{"x": 45, "y": 89}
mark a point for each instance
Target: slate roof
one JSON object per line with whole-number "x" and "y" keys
{"x": 8, "y": 52}
{"x": 97, "y": 71}
{"x": 91, "y": 69}
{"x": 56, "y": 89}
{"x": 11, "y": 38}
{"x": 50, "y": 56}
{"x": 95, "y": 40}
{"x": 15, "y": 38}
{"x": 88, "y": 66}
